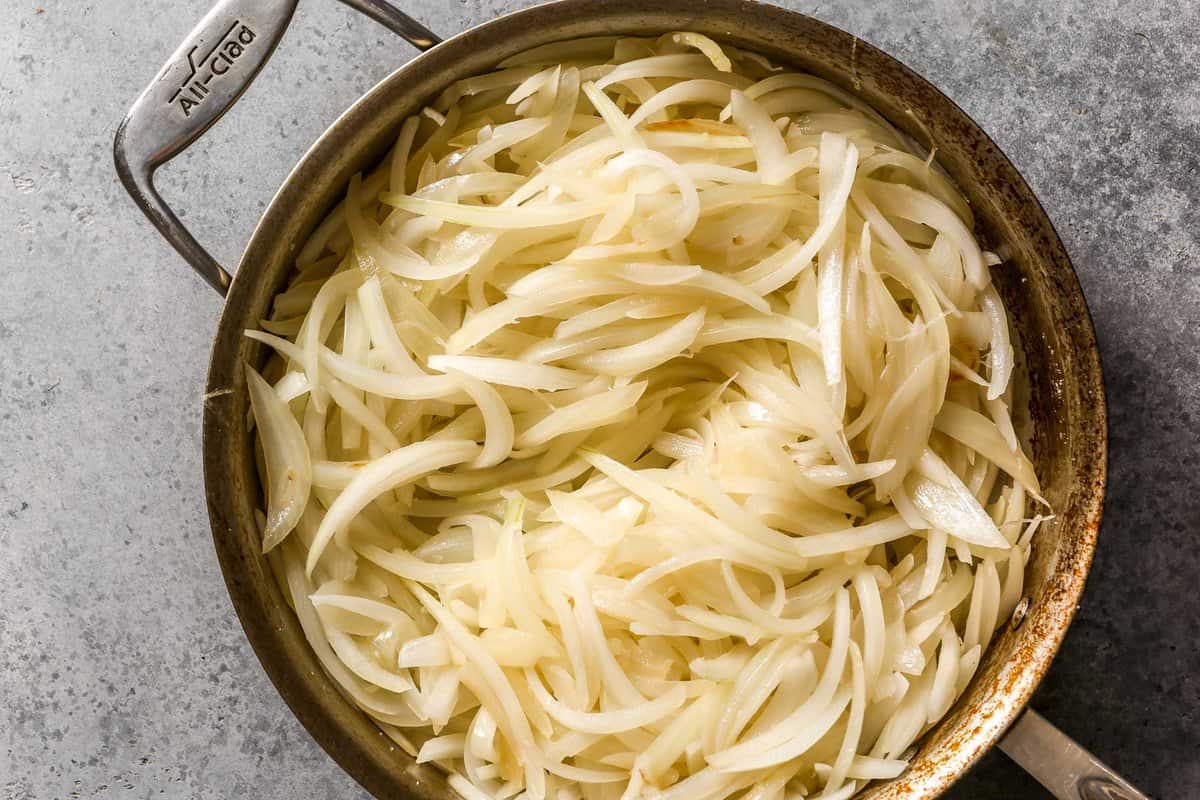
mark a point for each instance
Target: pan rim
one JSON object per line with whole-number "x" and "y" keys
{"x": 312, "y": 697}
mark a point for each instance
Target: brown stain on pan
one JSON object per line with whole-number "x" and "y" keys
{"x": 1055, "y": 337}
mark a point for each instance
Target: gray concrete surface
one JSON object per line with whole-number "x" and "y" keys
{"x": 123, "y": 672}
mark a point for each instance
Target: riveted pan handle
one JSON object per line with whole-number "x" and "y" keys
{"x": 1061, "y": 765}
{"x": 198, "y": 84}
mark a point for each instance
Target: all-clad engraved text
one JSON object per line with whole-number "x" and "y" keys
{"x": 206, "y": 69}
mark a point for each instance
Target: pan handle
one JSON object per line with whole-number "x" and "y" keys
{"x": 199, "y": 83}
{"x": 1060, "y": 764}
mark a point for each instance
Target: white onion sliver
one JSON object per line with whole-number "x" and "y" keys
{"x": 288, "y": 466}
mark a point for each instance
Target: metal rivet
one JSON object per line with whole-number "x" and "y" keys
{"x": 1018, "y": 615}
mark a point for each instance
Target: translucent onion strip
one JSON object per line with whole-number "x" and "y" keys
{"x": 288, "y": 466}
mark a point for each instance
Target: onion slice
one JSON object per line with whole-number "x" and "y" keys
{"x": 289, "y": 469}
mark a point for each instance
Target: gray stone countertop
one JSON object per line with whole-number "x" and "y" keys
{"x": 123, "y": 671}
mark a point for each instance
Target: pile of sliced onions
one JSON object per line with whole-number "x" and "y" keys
{"x": 641, "y": 428}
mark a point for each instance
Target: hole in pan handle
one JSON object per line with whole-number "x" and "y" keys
{"x": 202, "y": 80}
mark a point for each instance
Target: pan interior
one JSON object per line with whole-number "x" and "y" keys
{"x": 1058, "y": 359}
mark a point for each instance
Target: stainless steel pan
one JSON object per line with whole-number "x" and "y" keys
{"x": 222, "y": 55}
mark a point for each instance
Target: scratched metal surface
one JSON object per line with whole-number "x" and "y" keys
{"x": 123, "y": 672}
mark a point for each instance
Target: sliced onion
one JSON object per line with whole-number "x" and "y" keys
{"x": 289, "y": 470}
{"x": 646, "y": 442}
